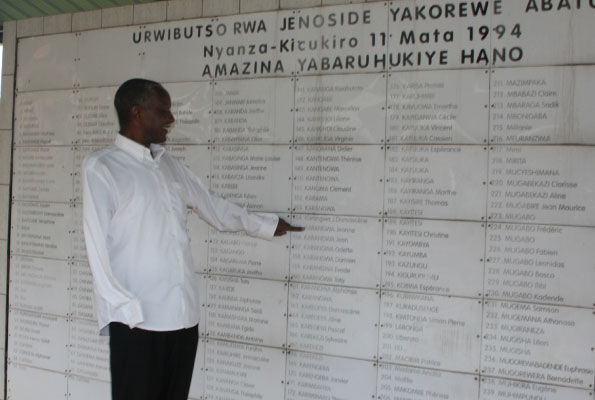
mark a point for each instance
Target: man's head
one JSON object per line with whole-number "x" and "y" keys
{"x": 143, "y": 108}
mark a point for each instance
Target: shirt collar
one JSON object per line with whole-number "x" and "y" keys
{"x": 139, "y": 151}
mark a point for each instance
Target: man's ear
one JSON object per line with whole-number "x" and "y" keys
{"x": 136, "y": 112}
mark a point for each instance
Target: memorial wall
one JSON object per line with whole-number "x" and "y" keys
{"x": 439, "y": 153}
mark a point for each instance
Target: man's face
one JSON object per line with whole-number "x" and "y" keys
{"x": 157, "y": 118}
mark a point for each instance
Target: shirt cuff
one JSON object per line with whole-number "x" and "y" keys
{"x": 268, "y": 227}
{"x": 132, "y": 313}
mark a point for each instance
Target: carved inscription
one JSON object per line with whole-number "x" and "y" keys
{"x": 337, "y": 250}
{"x": 540, "y": 263}
{"x": 430, "y": 331}
{"x": 538, "y": 343}
{"x": 314, "y": 376}
{"x": 432, "y": 256}
{"x": 236, "y": 371}
{"x": 542, "y": 184}
{"x": 438, "y": 107}
{"x": 338, "y": 179}
{"x": 247, "y": 310}
{"x": 333, "y": 320}
{"x": 331, "y": 110}
{"x": 436, "y": 181}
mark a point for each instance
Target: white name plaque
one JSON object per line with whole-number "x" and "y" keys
{"x": 32, "y": 383}
{"x": 430, "y": 331}
{"x": 449, "y": 107}
{"x": 331, "y": 110}
{"x": 232, "y": 253}
{"x": 337, "y": 250}
{"x": 258, "y": 177}
{"x": 247, "y": 310}
{"x": 39, "y": 285}
{"x": 43, "y": 173}
{"x": 38, "y": 340}
{"x": 431, "y": 256}
{"x": 82, "y": 300}
{"x": 315, "y": 376}
{"x": 333, "y": 320}
{"x": 41, "y": 229}
{"x": 45, "y": 118}
{"x": 497, "y": 389}
{"x": 538, "y": 343}
{"x": 89, "y": 352}
{"x": 253, "y": 111}
{"x": 236, "y": 371}
{"x": 542, "y": 184}
{"x": 540, "y": 263}
{"x": 446, "y": 182}
{"x": 338, "y": 179}
{"x": 396, "y": 381}
{"x": 542, "y": 105}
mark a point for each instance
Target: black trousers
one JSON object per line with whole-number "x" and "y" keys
{"x": 148, "y": 365}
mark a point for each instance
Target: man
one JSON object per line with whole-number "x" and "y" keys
{"x": 135, "y": 197}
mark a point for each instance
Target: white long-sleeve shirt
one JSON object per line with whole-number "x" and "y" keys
{"x": 134, "y": 218}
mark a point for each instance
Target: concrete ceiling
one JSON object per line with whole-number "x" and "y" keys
{"x": 19, "y": 9}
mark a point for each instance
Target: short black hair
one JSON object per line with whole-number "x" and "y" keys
{"x": 133, "y": 92}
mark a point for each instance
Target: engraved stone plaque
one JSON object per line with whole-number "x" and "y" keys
{"x": 96, "y": 68}
{"x": 253, "y": 111}
{"x": 432, "y": 256}
{"x": 96, "y": 118}
{"x": 542, "y": 105}
{"x": 232, "y": 253}
{"x": 31, "y": 383}
{"x": 320, "y": 377}
{"x": 39, "y": 285}
{"x": 80, "y": 152}
{"x": 38, "y": 340}
{"x": 79, "y": 249}
{"x": 338, "y": 179}
{"x": 203, "y": 298}
{"x": 333, "y": 320}
{"x": 257, "y": 177}
{"x": 198, "y": 232}
{"x": 430, "y": 331}
{"x": 82, "y": 300}
{"x": 539, "y": 343}
{"x": 446, "y": 182}
{"x": 88, "y": 389}
{"x": 331, "y": 109}
{"x": 541, "y": 264}
{"x": 47, "y": 62}
{"x": 337, "y": 250}
{"x": 196, "y": 158}
{"x": 45, "y": 118}
{"x": 247, "y": 310}
{"x": 449, "y": 107}
{"x": 425, "y": 34}
{"x": 237, "y": 371}
{"x": 567, "y": 26}
{"x": 496, "y": 389}
{"x": 89, "y": 352}
{"x": 191, "y": 108}
{"x": 41, "y": 229}
{"x": 198, "y": 373}
{"x": 332, "y": 40}
{"x": 395, "y": 381}
{"x": 43, "y": 173}
{"x": 542, "y": 184}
